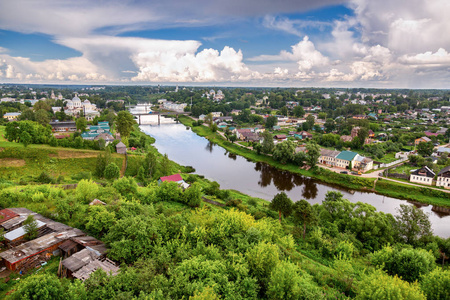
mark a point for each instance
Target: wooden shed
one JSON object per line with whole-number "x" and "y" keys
{"x": 121, "y": 148}
{"x": 26, "y": 255}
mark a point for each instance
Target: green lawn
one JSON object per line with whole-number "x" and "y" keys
{"x": 403, "y": 169}
{"x": 2, "y": 133}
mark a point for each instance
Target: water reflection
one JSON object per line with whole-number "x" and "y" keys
{"x": 286, "y": 181}
{"x": 210, "y": 146}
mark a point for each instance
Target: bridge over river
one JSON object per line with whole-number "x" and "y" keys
{"x": 146, "y": 116}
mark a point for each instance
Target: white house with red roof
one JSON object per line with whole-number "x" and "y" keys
{"x": 174, "y": 178}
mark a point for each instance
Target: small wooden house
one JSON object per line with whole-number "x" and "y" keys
{"x": 121, "y": 148}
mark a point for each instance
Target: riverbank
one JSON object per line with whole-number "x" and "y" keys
{"x": 383, "y": 187}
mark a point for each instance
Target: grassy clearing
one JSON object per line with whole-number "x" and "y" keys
{"x": 403, "y": 169}
{"x": 23, "y": 165}
{"x": 2, "y": 133}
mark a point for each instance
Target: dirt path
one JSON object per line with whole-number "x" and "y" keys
{"x": 62, "y": 154}
{"x": 11, "y": 162}
{"x": 124, "y": 167}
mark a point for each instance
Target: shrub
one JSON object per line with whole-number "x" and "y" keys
{"x": 409, "y": 264}
{"x": 112, "y": 171}
{"x": 44, "y": 178}
{"x": 436, "y": 284}
{"x": 379, "y": 285}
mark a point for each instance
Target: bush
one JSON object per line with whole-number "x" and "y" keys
{"x": 436, "y": 284}
{"x": 409, "y": 264}
{"x": 379, "y": 285}
{"x": 44, "y": 178}
{"x": 112, "y": 171}
{"x": 82, "y": 175}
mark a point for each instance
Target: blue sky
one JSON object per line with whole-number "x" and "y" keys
{"x": 342, "y": 43}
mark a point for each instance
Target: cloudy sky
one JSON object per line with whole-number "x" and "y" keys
{"x": 330, "y": 43}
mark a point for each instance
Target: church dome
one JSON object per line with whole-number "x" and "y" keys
{"x": 76, "y": 101}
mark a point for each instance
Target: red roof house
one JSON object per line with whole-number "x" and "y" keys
{"x": 174, "y": 178}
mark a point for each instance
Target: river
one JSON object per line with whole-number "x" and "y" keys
{"x": 261, "y": 180}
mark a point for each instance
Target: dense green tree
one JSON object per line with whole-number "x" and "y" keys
{"x": 425, "y": 148}
{"x": 412, "y": 224}
{"x": 287, "y": 281}
{"x": 310, "y": 120}
{"x": 267, "y": 144}
{"x": 303, "y": 214}
{"x": 127, "y": 187}
{"x": 282, "y": 204}
{"x": 192, "y": 196}
{"x": 312, "y": 154}
{"x": 409, "y": 264}
{"x": 298, "y": 111}
{"x": 150, "y": 164}
{"x": 124, "y": 123}
{"x": 300, "y": 158}
{"x": 81, "y": 124}
{"x": 271, "y": 121}
{"x": 100, "y": 220}
{"x": 263, "y": 258}
{"x": 103, "y": 159}
{"x": 12, "y": 131}
{"x": 39, "y": 287}
{"x": 42, "y": 117}
{"x": 86, "y": 190}
{"x": 25, "y": 138}
{"x": 284, "y": 111}
{"x": 359, "y": 140}
{"x": 284, "y": 152}
{"x": 329, "y": 125}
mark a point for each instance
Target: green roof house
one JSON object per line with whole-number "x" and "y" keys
{"x": 344, "y": 159}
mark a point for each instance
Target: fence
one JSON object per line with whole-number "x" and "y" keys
{"x": 390, "y": 164}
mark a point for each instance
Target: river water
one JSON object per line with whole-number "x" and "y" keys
{"x": 261, "y": 180}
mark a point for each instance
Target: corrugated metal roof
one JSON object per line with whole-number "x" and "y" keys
{"x": 33, "y": 247}
{"x": 7, "y": 214}
{"x": 19, "y": 232}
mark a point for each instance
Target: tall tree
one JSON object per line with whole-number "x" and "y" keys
{"x": 412, "y": 224}
{"x": 299, "y": 111}
{"x": 281, "y": 203}
{"x": 284, "y": 152}
{"x": 303, "y": 213}
{"x": 310, "y": 121}
{"x": 42, "y": 117}
{"x": 124, "y": 123}
{"x": 81, "y": 124}
{"x": 313, "y": 154}
{"x": 425, "y": 149}
{"x": 271, "y": 121}
{"x": 267, "y": 144}
{"x": 25, "y": 138}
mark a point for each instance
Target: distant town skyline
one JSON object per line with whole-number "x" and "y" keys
{"x": 292, "y": 43}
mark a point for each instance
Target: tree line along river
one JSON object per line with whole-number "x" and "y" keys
{"x": 262, "y": 180}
